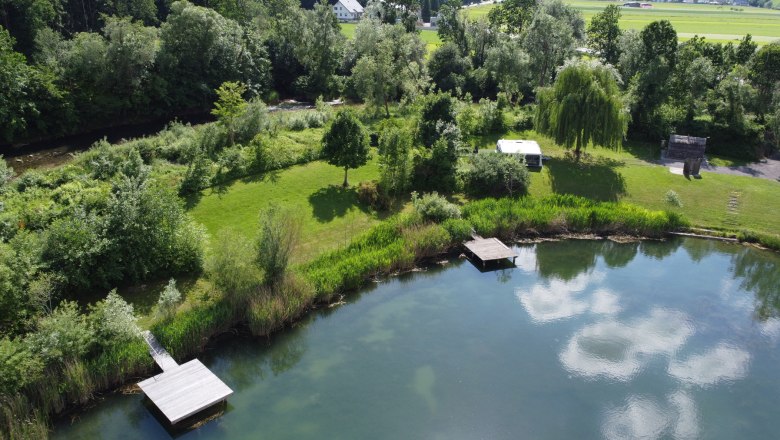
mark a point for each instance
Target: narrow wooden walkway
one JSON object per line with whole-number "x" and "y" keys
{"x": 489, "y": 249}
{"x": 160, "y": 354}
{"x": 181, "y": 390}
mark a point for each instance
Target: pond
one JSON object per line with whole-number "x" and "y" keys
{"x": 580, "y": 339}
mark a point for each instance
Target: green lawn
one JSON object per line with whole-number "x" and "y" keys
{"x": 717, "y": 23}
{"x": 331, "y": 215}
{"x": 626, "y": 175}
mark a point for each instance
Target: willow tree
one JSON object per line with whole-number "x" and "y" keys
{"x": 583, "y": 106}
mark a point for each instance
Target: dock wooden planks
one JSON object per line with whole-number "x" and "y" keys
{"x": 181, "y": 390}
{"x": 489, "y": 249}
{"x": 185, "y": 390}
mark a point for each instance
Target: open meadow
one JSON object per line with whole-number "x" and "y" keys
{"x": 716, "y": 23}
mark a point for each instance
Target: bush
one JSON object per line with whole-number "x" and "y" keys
{"x": 113, "y": 321}
{"x": 297, "y": 122}
{"x": 65, "y": 334}
{"x": 372, "y": 194}
{"x": 278, "y": 304}
{"x": 434, "y": 207}
{"x": 278, "y": 236}
{"x": 436, "y": 109}
{"x": 496, "y": 174}
{"x": 197, "y": 176}
{"x": 6, "y": 173}
{"x": 491, "y": 117}
{"x": 673, "y": 198}
{"x": 18, "y": 366}
{"x": 170, "y": 297}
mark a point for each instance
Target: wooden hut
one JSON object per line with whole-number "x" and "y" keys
{"x": 686, "y": 147}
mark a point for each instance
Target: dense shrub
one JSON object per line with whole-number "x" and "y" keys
{"x": 113, "y": 321}
{"x": 374, "y": 195}
{"x": 434, "y": 207}
{"x": 277, "y": 237}
{"x": 231, "y": 266}
{"x": 495, "y": 174}
{"x": 63, "y": 335}
{"x": 436, "y": 109}
{"x": 491, "y": 117}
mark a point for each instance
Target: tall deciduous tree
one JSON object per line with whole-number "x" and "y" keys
{"x": 395, "y": 145}
{"x": 345, "y": 144}
{"x": 512, "y": 15}
{"x": 451, "y": 24}
{"x": 230, "y": 106}
{"x": 765, "y": 73}
{"x": 509, "y": 65}
{"x": 583, "y": 106}
{"x": 604, "y": 34}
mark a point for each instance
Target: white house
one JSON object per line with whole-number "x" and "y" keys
{"x": 348, "y": 10}
{"x": 529, "y": 149}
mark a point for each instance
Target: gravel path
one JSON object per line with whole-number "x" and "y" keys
{"x": 765, "y": 169}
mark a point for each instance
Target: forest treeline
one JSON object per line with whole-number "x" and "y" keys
{"x": 71, "y": 66}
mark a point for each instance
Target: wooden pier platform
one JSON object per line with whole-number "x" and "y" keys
{"x": 181, "y": 390}
{"x": 489, "y": 249}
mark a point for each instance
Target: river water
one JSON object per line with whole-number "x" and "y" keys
{"x": 579, "y": 340}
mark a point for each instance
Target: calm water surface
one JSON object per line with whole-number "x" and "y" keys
{"x": 582, "y": 339}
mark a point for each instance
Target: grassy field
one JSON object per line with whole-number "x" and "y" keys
{"x": 716, "y": 23}
{"x": 330, "y": 214}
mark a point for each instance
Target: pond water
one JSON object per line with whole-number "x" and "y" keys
{"x": 582, "y": 339}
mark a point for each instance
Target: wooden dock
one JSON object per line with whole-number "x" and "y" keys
{"x": 489, "y": 249}
{"x": 181, "y": 390}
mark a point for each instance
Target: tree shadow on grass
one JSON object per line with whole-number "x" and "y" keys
{"x": 595, "y": 179}
{"x": 334, "y": 201}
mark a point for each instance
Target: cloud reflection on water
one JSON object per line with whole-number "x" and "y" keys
{"x": 618, "y": 351}
{"x": 721, "y": 363}
{"x": 644, "y": 418}
{"x": 559, "y": 299}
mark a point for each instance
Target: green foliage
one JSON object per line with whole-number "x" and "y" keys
{"x": 170, "y": 297}
{"x": 345, "y": 143}
{"x": 433, "y": 207}
{"x": 6, "y": 173}
{"x": 374, "y": 195}
{"x": 277, "y": 237}
{"x": 230, "y": 105}
{"x": 230, "y": 265}
{"x": 19, "y": 265}
{"x": 434, "y": 168}
{"x": 604, "y": 34}
{"x": 659, "y": 40}
{"x": 318, "y": 44}
{"x": 279, "y": 304}
{"x": 197, "y": 176}
{"x": 451, "y": 26}
{"x": 395, "y": 146}
{"x": 491, "y": 118}
{"x": 550, "y": 38}
{"x": 388, "y": 63}
{"x": 19, "y": 367}
{"x": 449, "y": 69}
{"x": 765, "y": 73}
{"x": 113, "y": 321}
{"x": 436, "y": 108}
{"x": 512, "y": 15}
{"x": 671, "y": 197}
{"x": 509, "y": 64}
{"x": 496, "y": 174}
{"x": 584, "y": 106}
{"x": 63, "y": 335}
{"x": 189, "y": 330}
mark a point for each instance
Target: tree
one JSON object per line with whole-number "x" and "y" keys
{"x": 583, "y": 106}
{"x": 436, "y": 108}
{"x": 345, "y": 143}
{"x": 389, "y": 63}
{"x": 659, "y": 40}
{"x": 318, "y": 47}
{"x": 169, "y": 298}
{"x": 732, "y": 99}
{"x": 549, "y": 41}
{"x": 278, "y": 235}
{"x": 512, "y": 15}
{"x": 509, "y": 65}
{"x": 230, "y": 106}
{"x": 691, "y": 81}
{"x": 395, "y": 145}
{"x": 765, "y": 74}
{"x": 425, "y": 13}
{"x": 452, "y": 25}
{"x": 448, "y": 68}
{"x": 113, "y": 320}
{"x": 604, "y": 34}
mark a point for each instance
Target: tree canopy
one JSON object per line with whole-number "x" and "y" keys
{"x": 583, "y": 106}
{"x": 345, "y": 144}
